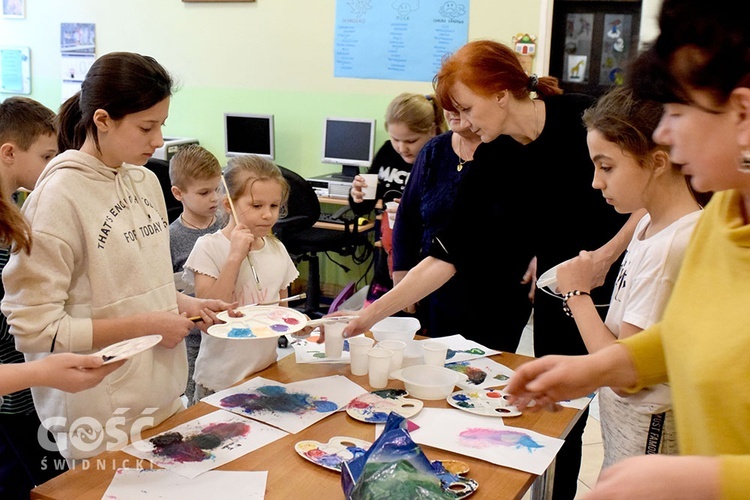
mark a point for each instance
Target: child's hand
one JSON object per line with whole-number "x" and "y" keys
{"x": 241, "y": 241}
{"x": 172, "y": 327}
{"x": 73, "y": 372}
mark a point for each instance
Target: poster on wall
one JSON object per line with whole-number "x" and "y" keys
{"x": 397, "y": 39}
{"x": 578, "y": 37}
{"x": 14, "y": 9}
{"x": 77, "y": 46}
{"x": 15, "y": 70}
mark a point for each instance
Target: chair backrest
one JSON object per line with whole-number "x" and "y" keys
{"x": 303, "y": 207}
{"x": 161, "y": 169}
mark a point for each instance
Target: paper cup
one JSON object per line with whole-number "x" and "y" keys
{"x": 334, "y": 343}
{"x": 371, "y": 189}
{"x": 390, "y": 209}
{"x": 398, "y": 348}
{"x": 378, "y": 364}
{"x": 358, "y": 347}
{"x": 434, "y": 353}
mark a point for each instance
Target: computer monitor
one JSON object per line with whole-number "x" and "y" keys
{"x": 349, "y": 142}
{"x": 246, "y": 134}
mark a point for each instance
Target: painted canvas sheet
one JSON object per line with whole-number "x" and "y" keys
{"x": 291, "y": 407}
{"x": 482, "y": 373}
{"x": 133, "y": 484}
{"x": 205, "y": 443}
{"x": 485, "y": 438}
{"x": 463, "y": 349}
{"x": 309, "y": 351}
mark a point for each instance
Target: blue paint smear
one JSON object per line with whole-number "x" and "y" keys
{"x": 240, "y": 333}
{"x": 273, "y": 398}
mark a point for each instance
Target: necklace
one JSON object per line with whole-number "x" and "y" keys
{"x": 461, "y": 161}
{"x": 536, "y": 121}
{"x": 213, "y": 219}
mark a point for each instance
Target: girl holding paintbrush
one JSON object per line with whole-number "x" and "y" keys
{"x": 99, "y": 269}
{"x": 243, "y": 263}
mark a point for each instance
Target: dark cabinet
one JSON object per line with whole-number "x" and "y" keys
{"x": 593, "y": 42}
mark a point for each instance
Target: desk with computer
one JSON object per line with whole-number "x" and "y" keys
{"x": 319, "y": 219}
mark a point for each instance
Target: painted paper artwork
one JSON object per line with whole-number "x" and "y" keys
{"x": 481, "y": 373}
{"x": 133, "y": 484}
{"x": 579, "y": 403}
{"x": 463, "y": 349}
{"x": 309, "y": 351}
{"x": 486, "y": 439}
{"x": 291, "y": 407}
{"x": 205, "y": 443}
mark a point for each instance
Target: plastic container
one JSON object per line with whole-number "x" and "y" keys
{"x": 429, "y": 382}
{"x": 403, "y": 328}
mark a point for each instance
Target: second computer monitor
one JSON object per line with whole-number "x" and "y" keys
{"x": 246, "y": 133}
{"x": 349, "y": 142}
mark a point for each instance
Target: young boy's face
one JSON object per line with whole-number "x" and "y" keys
{"x": 201, "y": 197}
{"x": 27, "y": 165}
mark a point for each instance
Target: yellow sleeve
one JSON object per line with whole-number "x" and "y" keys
{"x": 735, "y": 481}
{"x": 647, "y": 353}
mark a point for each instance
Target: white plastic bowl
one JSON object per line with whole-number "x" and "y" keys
{"x": 428, "y": 381}
{"x": 402, "y": 328}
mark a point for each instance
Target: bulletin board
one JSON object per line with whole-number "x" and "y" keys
{"x": 15, "y": 70}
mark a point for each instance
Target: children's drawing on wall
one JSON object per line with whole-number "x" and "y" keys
{"x": 525, "y": 46}
{"x": 616, "y": 42}
{"x": 77, "y": 46}
{"x": 578, "y": 42}
{"x": 14, "y": 9}
{"x": 204, "y": 443}
{"x": 576, "y": 71}
{"x": 405, "y": 7}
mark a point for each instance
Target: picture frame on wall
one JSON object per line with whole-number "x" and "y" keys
{"x": 14, "y": 9}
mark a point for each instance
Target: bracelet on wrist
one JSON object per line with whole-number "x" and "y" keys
{"x": 572, "y": 293}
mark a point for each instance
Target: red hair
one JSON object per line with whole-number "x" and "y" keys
{"x": 487, "y": 68}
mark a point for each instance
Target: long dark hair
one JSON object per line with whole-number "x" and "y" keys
{"x": 121, "y": 83}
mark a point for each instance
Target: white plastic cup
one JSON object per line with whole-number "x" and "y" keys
{"x": 334, "y": 343}
{"x": 378, "y": 364}
{"x": 371, "y": 190}
{"x": 398, "y": 348}
{"x": 434, "y": 353}
{"x": 358, "y": 347}
{"x": 390, "y": 209}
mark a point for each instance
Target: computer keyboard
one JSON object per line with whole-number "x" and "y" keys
{"x": 326, "y": 217}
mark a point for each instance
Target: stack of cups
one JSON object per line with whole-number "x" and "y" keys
{"x": 358, "y": 347}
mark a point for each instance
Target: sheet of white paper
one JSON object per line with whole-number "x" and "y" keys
{"x": 205, "y": 443}
{"x": 482, "y": 372}
{"x": 291, "y": 407}
{"x": 463, "y": 349}
{"x": 309, "y": 351}
{"x": 580, "y": 403}
{"x": 132, "y": 484}
{"x": 485, "y": 438}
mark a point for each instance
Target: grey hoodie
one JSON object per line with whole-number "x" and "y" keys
{"x": 100, "y": 250}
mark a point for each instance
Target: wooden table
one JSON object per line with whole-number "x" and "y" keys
{"x": 289, "y": 474}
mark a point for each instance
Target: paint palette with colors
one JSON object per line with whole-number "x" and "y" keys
{"x": 259, "y": 322}
{"x": 332, "y": 454}
{"x": 488, "y": 402}
{"x": 127, "y": 348}
{"x": 374, "y": 407}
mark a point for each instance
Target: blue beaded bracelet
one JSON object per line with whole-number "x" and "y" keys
{"x": 572, "y": 293}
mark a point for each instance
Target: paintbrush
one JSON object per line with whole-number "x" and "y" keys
{"x": 234, "y": 216}
{"x": 195, "y": 319}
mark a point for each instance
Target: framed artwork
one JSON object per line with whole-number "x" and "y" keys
{"x": 14, "y": 9}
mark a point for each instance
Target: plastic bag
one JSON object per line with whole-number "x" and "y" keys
{"x": 393, "y": 467}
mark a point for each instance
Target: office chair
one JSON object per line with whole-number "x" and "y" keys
{"x": 304, "y": 242}
{"x": 161, "y": 169}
